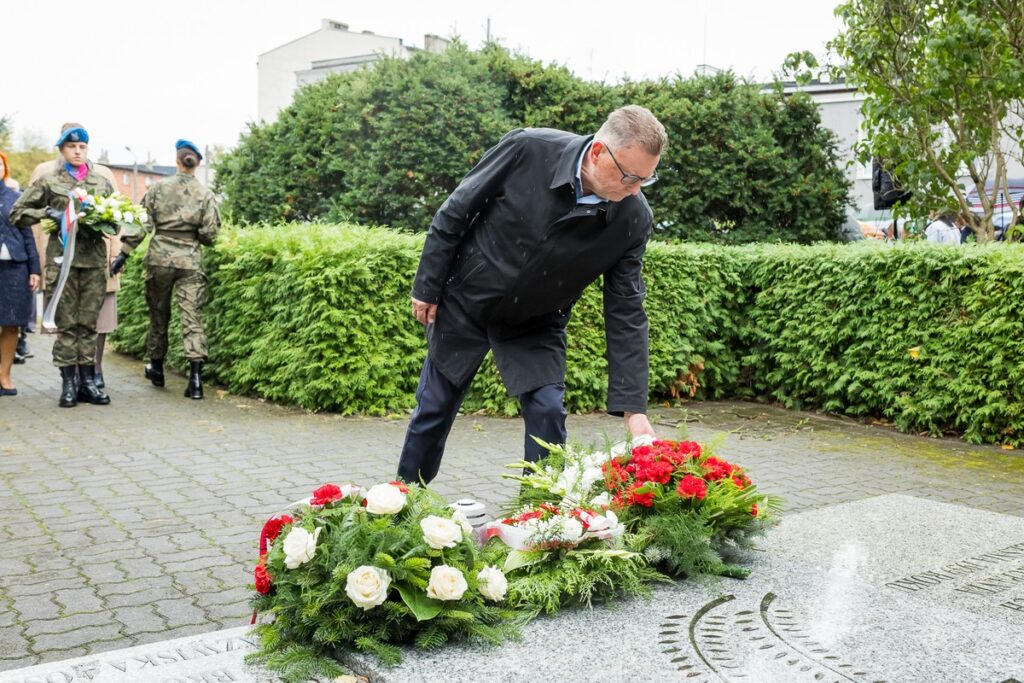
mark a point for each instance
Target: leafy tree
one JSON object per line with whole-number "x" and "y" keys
{"x": 944, "y": 81}
{"x": 23, "y": 156}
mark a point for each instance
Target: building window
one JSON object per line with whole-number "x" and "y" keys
{"x": 125, "y": 178}
{"x": 148, "y": 181}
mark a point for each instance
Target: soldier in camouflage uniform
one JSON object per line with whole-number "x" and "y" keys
{"x": 74, "y": 351}
{"x": 185, "y": 216}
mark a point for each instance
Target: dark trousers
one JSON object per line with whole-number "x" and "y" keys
{"x": 437, "y": 403}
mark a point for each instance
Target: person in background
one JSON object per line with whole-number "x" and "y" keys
{"x": 185, "y": 217}
{"x": 943, "y": 229}
{"x": 19, "y": 278}
{"x": 74, "y": 351}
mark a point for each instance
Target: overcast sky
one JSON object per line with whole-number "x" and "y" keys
{"x": 142, "y": 74}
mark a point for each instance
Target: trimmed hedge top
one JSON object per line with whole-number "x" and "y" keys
{"x": 926, "y": 336}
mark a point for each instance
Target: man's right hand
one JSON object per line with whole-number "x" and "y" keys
{"x": 54, "y": 214}
{"x": 423, "y": 311}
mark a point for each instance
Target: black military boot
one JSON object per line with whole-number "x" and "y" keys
{"x": 68, "y": 388}
{"x": 87, "y": 390}
{"x": 154, "y": 371}
{"x": 195, "y": 380}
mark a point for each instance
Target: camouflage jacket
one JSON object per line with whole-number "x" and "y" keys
{"x": 184, "y": 215}
{"x": 52, "y": 190}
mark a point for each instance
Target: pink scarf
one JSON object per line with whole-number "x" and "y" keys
{"x": 77, "y": 172}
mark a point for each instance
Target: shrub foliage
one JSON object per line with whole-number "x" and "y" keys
{"x": 386, "y": 146}
{"x": 923, "y": 335}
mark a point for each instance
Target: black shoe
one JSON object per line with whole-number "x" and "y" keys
{"x": 19, "y": 359}
{"x": 22, "y": 349}
{"x": 99, "y": 381}
{"x": 195, "y": 380}
{"x": 87, "y": 390}
{"x": 68, "y": 388}
{"x": 154, "y": 371}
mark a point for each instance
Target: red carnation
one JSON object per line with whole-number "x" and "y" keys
{"x": 635, "y": 498}
{"x": 261, "y": 579}
{"x": 272, "y": 529}
{"x": 401, "y": 487}
{"x": 692, "y": 487}
{"x": 716, "y": 469}
{"x": 753, "y": 509}
{"x": 328, "y": 493}
{"x": 688, "y": 449}
{"x": 741, "y": 480}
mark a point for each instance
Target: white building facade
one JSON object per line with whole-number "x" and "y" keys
{"x": 331, "y": 49}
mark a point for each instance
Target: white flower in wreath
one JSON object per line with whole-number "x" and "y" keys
{"x": 129, "y": 217}
{"x": 572, "y": 530}
{"x": 143, "y": 218}
{"x": 384, "y": 499}
{"x": 300, "y": 546}
{"x": 367, "y": 586}
{"x": 446, "y": 583}
{"x": 606, "y": 526}
{"x": 439, "y": 532}
{"x": 493, "y": 583}
{"x": 118, "y": 215}
{"x": 462, "y": 520}
{"x": 601, "y": 500}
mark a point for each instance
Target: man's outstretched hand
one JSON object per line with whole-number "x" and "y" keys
{"x": 637, "y": 424}
{"x": 423, "y": 311}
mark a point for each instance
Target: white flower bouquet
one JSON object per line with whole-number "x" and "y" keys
{"x": 373, "y": 569}
{"x": 107, "y": 214}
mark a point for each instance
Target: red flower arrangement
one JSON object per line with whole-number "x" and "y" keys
{"x": 671, "y": 471}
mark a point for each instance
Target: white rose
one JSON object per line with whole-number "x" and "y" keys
{"x": 462, "y": 520}
{"x": 117, "y": 215}
{"x": 299, "y": 546}
{"x": 446, "y": 583}
{"x": 439, "y": 532}
{"x": 601, "y": 500}
{"x": 384, "y": 499}
{"x": 367, "y": 586}
{"x": 143, "y": 218}
{"x": 129, "y": 217}
{"x": 493, "y": 583}
{"x": 572, "y": 530}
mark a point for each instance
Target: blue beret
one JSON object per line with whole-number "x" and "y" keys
{"x": 188, "y": 144}
{"x": 73, "y": 135}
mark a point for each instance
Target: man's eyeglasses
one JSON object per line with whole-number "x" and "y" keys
{"x": 629, "y": 178}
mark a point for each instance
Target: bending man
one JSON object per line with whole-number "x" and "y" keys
{"x": 542, "y": 215}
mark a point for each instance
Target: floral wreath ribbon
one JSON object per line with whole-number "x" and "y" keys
{"x": 68, "y": 234}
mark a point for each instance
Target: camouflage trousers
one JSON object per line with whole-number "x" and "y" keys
{"x": 191, "y": 288}
{"x": 76, "y": 315}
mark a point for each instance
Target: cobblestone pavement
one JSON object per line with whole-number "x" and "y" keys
{"x": 137, "y": 522}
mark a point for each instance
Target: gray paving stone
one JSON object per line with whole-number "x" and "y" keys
{"x": 78, "y": 600}
{"x": 180, "y": 612}
{"x": 34, "y": 607}
{"x": 61, "y": 643}
{"x": 139, "y": 619}
{"x": 38, "y": 627}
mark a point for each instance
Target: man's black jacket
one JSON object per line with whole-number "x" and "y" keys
{"x": 510, "y": 252}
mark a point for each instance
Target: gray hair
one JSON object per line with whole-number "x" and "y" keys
{"x": 634, "y": 125}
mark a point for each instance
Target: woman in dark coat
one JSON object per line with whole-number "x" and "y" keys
{"x": 19, "y": 278}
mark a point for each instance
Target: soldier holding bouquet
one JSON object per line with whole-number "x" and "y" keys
{"x": 77, "y": 310}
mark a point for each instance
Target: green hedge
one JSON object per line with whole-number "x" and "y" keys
{"x": 928, "y": 337}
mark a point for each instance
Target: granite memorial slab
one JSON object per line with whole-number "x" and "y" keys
{"x": 889, "y": 589}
